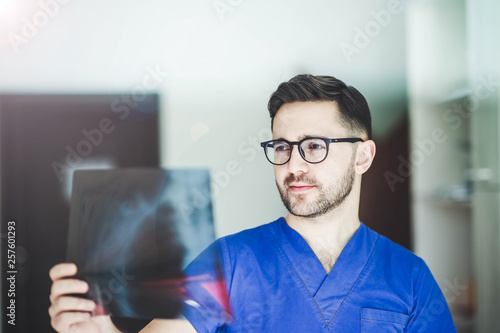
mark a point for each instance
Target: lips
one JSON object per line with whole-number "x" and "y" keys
{"x": 300, "y": 187}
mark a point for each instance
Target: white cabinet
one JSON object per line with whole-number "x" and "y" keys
{"x": 453, "y": 75}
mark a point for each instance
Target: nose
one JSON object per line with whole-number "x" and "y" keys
{"x": 297, "y": 164}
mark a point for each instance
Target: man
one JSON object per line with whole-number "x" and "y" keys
{"x": 319, "y": 269}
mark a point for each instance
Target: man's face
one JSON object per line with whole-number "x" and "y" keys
{"x": 311, "y": 190}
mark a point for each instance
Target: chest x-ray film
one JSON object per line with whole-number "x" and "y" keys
{"x": 133, "y": 231}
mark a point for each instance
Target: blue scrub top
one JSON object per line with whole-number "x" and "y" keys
{"x": 273, "y": 282}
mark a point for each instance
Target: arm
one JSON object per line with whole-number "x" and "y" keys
{"x": 169, "y": 325}
{"x": 431, "y": 313}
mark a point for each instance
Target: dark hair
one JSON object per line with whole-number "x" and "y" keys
{"x": 354, "y": 111}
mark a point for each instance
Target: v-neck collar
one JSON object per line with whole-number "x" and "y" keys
{"x": 328, "y": 291}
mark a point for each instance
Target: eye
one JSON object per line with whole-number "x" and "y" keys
{"x": 315, "y": 145}
{"x": 281, "y": 146}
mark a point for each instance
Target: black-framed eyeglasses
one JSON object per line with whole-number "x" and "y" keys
{"x": 312, "y": 150}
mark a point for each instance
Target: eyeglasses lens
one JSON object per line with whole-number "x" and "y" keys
{"x": 312, "y": 150}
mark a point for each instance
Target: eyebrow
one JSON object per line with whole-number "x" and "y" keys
{"x": 305, "y": 136}
{"x": 308, "y": 136}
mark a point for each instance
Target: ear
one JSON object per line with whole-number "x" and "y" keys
{"x": 364, "y": 156}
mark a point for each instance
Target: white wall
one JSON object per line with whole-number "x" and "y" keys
{"x": 221, "y": 72}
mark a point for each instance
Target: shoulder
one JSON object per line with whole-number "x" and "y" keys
{"x": 394, "y": 251}
{"x": 250, "y": 237}
{"x": 249, "y": 244}
{"x": 395, "y": 257}
{"x": 227, "y": 247}
{"x": 397, "y": 269}
{"x": 407, "y": 270}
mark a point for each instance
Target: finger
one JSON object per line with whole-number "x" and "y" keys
{"x": 63, "y": 321}
{"x": 68, "y": 303}
{"x": 67, "y": 286}
{"x": 62, "y": 270}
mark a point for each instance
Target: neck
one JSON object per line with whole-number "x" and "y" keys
{"x": 327, "y": 235}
